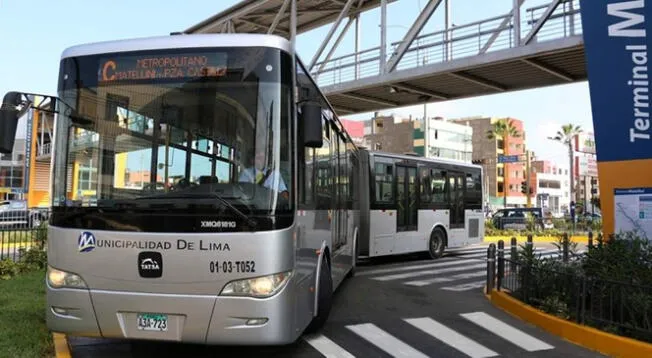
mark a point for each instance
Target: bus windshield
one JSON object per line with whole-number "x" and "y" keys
{"x": 177, "y": 132}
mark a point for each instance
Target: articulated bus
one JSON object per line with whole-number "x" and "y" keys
{"x": 202, "y": 192}
{"x": 417, "y": 204}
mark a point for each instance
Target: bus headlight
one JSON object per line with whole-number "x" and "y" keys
{"x": 261, "y": 287}
{"x": 60, "y": 279}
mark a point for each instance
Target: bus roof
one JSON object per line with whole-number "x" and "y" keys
{"x": 424, "y": 159}
{"x": 179, "y": 41}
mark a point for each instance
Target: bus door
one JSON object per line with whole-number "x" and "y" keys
{"x": 456, "y": 185}
{"x": 406, "y": 198}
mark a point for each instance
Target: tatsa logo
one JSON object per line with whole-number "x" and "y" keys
{"x": 86, "y": 242}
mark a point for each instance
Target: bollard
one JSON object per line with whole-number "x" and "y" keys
{"x": 491, "y": 266}
{"x": 600, "y": 240}
{"x": 501, "y": 264}
{"x": 565, "y": 247}
{"x": 590, "y": 239}
{"x": 529, "y": 249}
{"x": 514, "y": 255}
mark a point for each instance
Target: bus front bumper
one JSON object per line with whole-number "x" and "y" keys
{"x": 190, "y": 318}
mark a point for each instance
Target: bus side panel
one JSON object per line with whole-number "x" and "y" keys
{"x": 472, "y": 233}
{"x": 342, "y": 257}
{"x": 428, "y": 220}
{"x": 364, "y": 239}
{"x": 315, "y": 229}
{"x": 309, "y": 240}
{"x": 382, "y": 231}
{"x": 475, "y": 226}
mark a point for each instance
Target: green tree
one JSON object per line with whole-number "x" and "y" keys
{"x": 504, "y": 129}
{"x": 566, "y": 136}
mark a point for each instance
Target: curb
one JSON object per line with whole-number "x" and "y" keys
{"x": 15, "y": 245}
{"x": 580, "y": 239}
{"x": 61, "y": 348}
{"x": 585, "y": 336}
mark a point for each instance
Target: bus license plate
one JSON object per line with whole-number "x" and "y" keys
{"x": 152, "y": 322}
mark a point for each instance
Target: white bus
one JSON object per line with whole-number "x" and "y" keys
{"x": 183, "y": 204}
{"x": 417, "y": 204}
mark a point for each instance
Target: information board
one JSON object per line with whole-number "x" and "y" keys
{"x": 161, "y": 67}
{"x": 633, "y": 211}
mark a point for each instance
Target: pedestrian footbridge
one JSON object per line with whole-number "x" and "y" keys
{"x": 527, "y": 47}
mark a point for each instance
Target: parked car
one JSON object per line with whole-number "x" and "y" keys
{"x": 15, "y": 214}
{"x": 517, "y": 219}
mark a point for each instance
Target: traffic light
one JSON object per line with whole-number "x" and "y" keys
{"x": 524, "y": 187}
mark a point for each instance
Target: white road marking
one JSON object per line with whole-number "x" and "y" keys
{"x": 507, "y": 332}
{"x": 385, "y": 341}
{"x": 462, "y": 276}
{"x": 415, "y": 267}
{"x": 429, "y": 272}
{"x": 465, "y": 286}
{"x": 327, "y": 347}
{"x": 451, "y": 338}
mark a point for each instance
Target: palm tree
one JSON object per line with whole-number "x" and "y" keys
{"x": 503, "y": 129}
{"x": 566, "y": 136}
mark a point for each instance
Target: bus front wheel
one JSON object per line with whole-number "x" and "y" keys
{"x": 437, "y": 243}
{"x": 325, "y": 294}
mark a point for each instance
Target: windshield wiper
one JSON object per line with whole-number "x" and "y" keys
{"x": 251, "y": 222}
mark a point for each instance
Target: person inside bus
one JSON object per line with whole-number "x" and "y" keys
{"x": 257, "y": 172}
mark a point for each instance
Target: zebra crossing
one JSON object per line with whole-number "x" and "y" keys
{"x": 461, "y": 269}
{"x": 505, "y": 338}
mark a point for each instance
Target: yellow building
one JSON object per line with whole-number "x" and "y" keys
{"x": 25, "y": 174}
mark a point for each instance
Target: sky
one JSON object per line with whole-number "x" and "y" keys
{"x": 34, "y": 34}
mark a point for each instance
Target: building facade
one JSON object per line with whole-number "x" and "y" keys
{"x": 444, "y": 139}
{"x": 389, "y": 134}
{"x": 586, "y": 171}
{"x": 356, "y": 130}
{"x": 25, "y": 174}
{"x": 12, "y": 172}
{"x": 502, "y": 181}
{"x": 552, "y": 187}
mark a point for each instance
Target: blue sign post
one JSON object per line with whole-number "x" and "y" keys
{"x": 616, "y": 44}
{"x": 28, "y": 150}
{"x": 508, "y": 158}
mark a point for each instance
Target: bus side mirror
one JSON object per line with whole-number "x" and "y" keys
{"x": 312, "y": 126}
{"x": 8, "y": 121}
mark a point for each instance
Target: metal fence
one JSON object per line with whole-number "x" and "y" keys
{"x": 12, "y": 241}
{"x": 555, "y": 287}
{"x": 22, "y": 228}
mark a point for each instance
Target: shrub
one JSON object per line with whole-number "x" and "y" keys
{"x": 609, "y": 287}
{"x": 8, "y": 269}
{"x": 32, "y": 259}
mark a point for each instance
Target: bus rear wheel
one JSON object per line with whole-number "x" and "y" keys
{"x": 437, "y": 243}
{"x": 325, "y": 295}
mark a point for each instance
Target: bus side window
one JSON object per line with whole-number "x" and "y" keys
{"x": 438, "y": 187}
{"x": 324, "y": 195}
{"x": 425, "y": 185}
{"x": 384, "y": 180}
{"x": 308, "y": 174}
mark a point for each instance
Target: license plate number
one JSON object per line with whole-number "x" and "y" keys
{"x": 152, "y": 322}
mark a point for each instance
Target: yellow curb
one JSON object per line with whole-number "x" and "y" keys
{"x": 17, "y": 244}
{"x": 61, "y": 349}
{"x": 585, "y": 336}
{"x": 580, "y": 239}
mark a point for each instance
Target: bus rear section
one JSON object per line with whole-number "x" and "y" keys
{"x": 419, "y": 204}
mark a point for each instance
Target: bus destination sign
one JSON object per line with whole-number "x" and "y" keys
{"x": 161, "y": 67}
